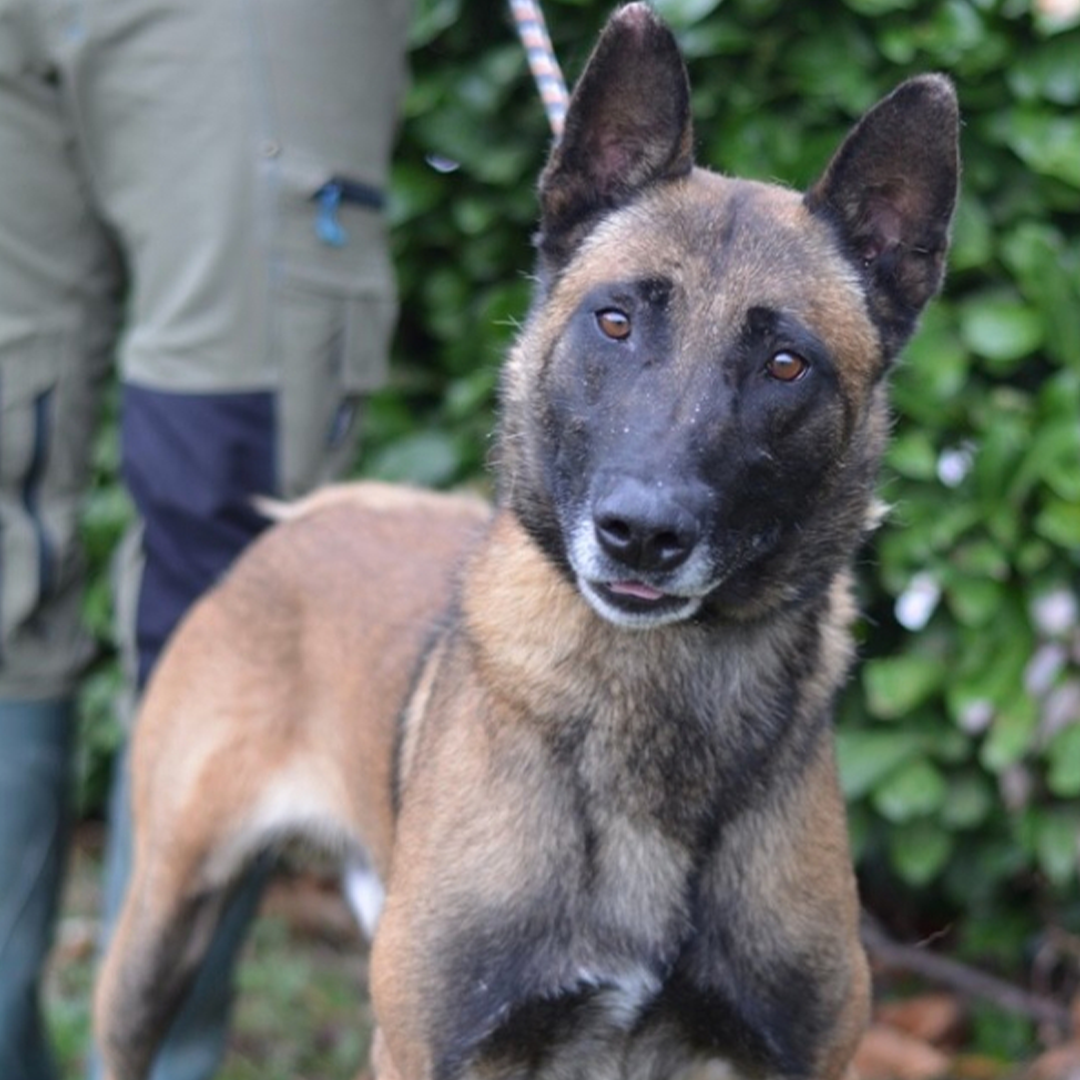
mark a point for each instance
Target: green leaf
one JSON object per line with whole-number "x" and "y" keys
{"x": 1059, "y": 522}
{"x": 973, "y": 239}
{"x": 431, "y": 18}
{"x": 895, "y": 685}
{"x": 865, "y": 758}
{"x": 1043, "y": 140}
{"x": 1057, "y": 844}
{"x": 426, "y": 458}
{"x": 471, "y": 394}
{"x": 1011, "y": 733}
{"x": 1053, "y": 19}
{"x": 992, "y": 665}
{"x": 681, "y": 13}
{"x": 1049, "y": 72}
{"x": 973, "y": 600}
{"x": 823, "y": 64}
{"x": 1063, "y": 754}
{"x": 983, "y": 558}
{"x": 1048, "y": 274}
{"x": 875, "y": 8}
{"x": 954, "y": 31}
{"x": 968, "y": 802}
{"x": 1034, "y": 555}
{"x": 936, "y": 363}
{"x": 919, "y": 850}
{"x": 1053, "y": 458}
{"x": 913, "y": 454}
{"x": 1005, "y": 437}
{"x": 1000, "y": 329}
{"x": 915, "y": 790}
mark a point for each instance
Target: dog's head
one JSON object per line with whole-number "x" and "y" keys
{"x": 694, "y": 413}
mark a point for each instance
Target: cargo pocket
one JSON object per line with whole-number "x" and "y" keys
{"x": 46, "y": 424}
{"x": 334, "y": 312}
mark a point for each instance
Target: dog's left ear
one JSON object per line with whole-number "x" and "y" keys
{"x": 627, "y": 127}
{"x": 890, "y": 190}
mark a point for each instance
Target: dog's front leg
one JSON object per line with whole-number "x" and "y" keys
{"x": 780, "y": 947}
{"x": 441, "y": 986}
{"x": 485, "y": 855}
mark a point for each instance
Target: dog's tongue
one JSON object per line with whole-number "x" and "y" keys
{"x": 638, "y": 589}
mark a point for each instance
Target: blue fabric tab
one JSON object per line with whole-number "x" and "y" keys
{"x": 327, "y": 226}
{"x": 329, "y": 199}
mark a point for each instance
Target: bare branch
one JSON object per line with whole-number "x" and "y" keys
{"x": 964, "y": 979}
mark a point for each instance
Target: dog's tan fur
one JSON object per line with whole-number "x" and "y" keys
{"x": 585, "y": 741}
{"x": 301, "y": 604}
{"x": 275, "y": 715}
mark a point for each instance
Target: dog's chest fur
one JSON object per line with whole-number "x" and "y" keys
{"x": 623, "y": 788}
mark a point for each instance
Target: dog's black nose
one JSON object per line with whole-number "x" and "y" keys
{"x": 646, "y": 528}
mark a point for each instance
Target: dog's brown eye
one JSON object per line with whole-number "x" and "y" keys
{"x": 613, "y": 323}
{"x": 787, "y": 367}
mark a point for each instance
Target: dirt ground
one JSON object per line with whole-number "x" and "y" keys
{"x": 302, "y": 1011}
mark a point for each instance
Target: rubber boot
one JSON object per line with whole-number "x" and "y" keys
{"x": 36, "y": 740}
{"x": 198, "y": 1038}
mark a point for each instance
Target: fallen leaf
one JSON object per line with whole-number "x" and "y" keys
{"x": 934, "y": 1018}
{"x": 1061, "y": 1063}
{"x": 886, "y": 1053}
{"x": 312, "y": 906}
{"x": 980, "y": 1067}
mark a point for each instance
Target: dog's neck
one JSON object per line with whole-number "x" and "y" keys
{"x": 688, "y": 710}
{"x": 538, "y": 631}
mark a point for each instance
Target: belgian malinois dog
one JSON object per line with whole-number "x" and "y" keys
{"x": 584, "y": 742}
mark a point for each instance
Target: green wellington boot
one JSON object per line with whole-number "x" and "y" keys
{"x": 36, "y": 740}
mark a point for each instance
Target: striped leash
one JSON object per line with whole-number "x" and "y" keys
{"x": 532, "y": 30}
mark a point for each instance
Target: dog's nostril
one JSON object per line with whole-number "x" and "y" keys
{"x": 641, "y": 544}
{"x": 669, "y": 545}
{"x": 614, "y": 532}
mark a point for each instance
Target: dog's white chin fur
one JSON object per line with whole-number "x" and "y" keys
{"x": 637, "y": 620}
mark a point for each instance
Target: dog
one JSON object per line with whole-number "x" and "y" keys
{"x": 579, "y": 746}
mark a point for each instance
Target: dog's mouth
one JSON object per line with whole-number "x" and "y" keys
{"x": 636, "y": 590}
{"x": 636, "y": 604}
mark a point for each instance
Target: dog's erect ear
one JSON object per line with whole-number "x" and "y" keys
{"x": 628, "y": 126}
{"x": 891, "y": 190}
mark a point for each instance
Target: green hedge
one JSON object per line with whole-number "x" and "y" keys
{"x": 959, "y": 738}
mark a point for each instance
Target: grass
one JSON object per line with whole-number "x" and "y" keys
{"x": 301, "y": 1011}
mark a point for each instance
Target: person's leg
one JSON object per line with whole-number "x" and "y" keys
{"x": 251, "y": 334}
{"x": 34, "y": 787}
{"x": 59, "y": 288}
{"x": 192, "y": 462}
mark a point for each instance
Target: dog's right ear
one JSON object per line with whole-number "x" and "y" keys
{"x": 628, "y": 126}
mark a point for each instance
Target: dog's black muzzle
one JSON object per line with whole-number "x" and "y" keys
{"x": 648, "y": 527}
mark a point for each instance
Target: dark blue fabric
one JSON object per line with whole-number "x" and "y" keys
{"x": 31, "y": 489}
{"x": 192, "y": 463}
